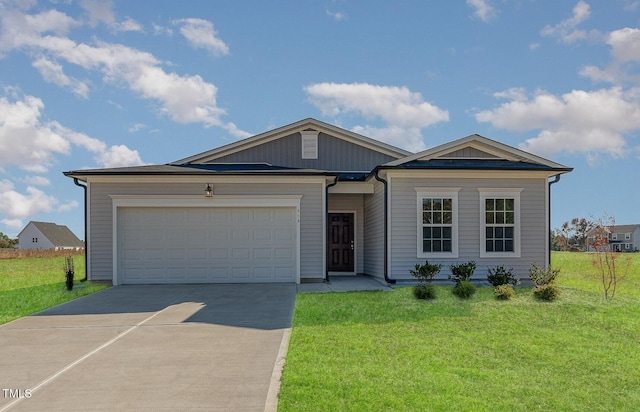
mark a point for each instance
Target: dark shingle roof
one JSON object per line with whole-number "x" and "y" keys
{"x": 59, "y": 235}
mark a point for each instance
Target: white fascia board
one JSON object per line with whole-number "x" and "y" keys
{"x": 472, "y": 174}
{"x": 206, "y": 179}
{"x": 352, "y": 187}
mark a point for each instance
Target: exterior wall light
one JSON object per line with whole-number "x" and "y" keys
{"x": 208, "y": 192}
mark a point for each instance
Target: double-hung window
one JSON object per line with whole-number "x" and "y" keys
{"x": 500, "y": 222}
{"x": 437, "y": 222}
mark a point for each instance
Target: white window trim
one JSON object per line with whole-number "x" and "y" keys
{"x": 437, "y": 192}
{"x": 627, "y": 236}
{"x": 500, "y": 193}
{"x": 614, "y": 236}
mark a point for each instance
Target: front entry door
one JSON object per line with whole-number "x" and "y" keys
{"x": 341, "y": 242}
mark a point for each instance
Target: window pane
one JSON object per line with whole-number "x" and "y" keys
{"x": 447, "y": 218}
{"x": 489, "y": 233}
{"x": 508, "y": 217}
{"x": 446, "y": 246}
{"x": 426, "y": 204}
{"x": 447, "y": 204}
{"x": 437, "y": 217}
{"x": 499, "y": 246}
{"x": 509, "y": 204}
{"x": 489, "y": 246}
{"x": 489, "y": 217}
{"x": 426, "y": 233}
{"x": 508, "y": 245}
{"x": 499, "y": 232}
{"x": 437, "y": 204}
{"x": 499, "y": 204}
{"x": 488, "y": 204}
{"x": 446, "y": 233}
{"x": 426, "y": 246}
{"x": 426, "y": 218}
{"x": 508, "y": 232}
{"x": 437, "y": 246}
{"x": 437, "y": 232}
{"x": 499, "y": 217}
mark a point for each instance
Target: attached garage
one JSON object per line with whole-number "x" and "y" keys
{"x": 208, "y": 243}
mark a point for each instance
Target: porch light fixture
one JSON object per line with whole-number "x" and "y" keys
{"x": 208, "y": 192}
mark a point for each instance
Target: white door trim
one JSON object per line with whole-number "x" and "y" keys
{"x": 120, "y": 201}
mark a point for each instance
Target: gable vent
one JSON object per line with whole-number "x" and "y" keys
{"x": 309, "y": 144}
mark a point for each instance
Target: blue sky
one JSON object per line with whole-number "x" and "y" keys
{"x": 92, "y": 83}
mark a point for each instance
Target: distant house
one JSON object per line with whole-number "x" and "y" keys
{"x": 44, "y": 235}
{"x": 622, "y": 238}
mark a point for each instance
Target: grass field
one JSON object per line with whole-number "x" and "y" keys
{"x": 31, "y": 284}
{"x": 388, "y": 351}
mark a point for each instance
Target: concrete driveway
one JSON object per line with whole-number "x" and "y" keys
{"x": 179, "y": 347}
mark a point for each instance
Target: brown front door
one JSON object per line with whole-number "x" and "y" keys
{"x": 341, "y": 242}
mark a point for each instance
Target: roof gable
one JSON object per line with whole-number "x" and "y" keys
{"x": 58, "y": 235}
{"x": 477, "y": 148}
{"x": 274, "y": 146}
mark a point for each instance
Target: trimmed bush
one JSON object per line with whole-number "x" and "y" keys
{"x": 548, "y": 292}
{"x": 462, "y": 271}
{"x": 424, "y": 274}
{"x": 427, "y": 291}
{"x": 501, "y": 276}
{"x": 464, "y": 289}
{"x": 504, "y": 292}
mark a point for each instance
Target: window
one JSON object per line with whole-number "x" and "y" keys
{"x": 34, "y": 240}
{"x": 627, "y": 236}
{"x": 499, "y": 222}
{"x": 614, "y": 236}
{"x": 437, "y": 222}
{"x": 627, "y": 246}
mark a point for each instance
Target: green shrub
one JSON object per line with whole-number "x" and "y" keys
{"x": 504, "y": 292}
{"x": 548, "y": 292}
{"x": 541, "y": 276}
{"x": 424, "y": 274}
{"x": 427, "y": 291}
{"x": 501, "y": 276}
{"x": 464, "y": 289}
{"x": 462, "y": 271}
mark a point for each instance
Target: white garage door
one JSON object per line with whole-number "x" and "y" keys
{"x": 207, "y": 245}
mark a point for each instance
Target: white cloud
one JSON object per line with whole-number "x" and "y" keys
{"x": 100, "y": 11}
{"x": 483, "y": 10}
{"x": 12, "y": 223}
{"x": 566, "y": 30}
{"x": 201, "y": 34}
{"x": 52, "y": 73}
{"x": 625, "y": 56}
{"x": 337, "y": 16}
{"x": 17, "y": 205}
{"x": 37, "y": 180}
{"x": 576, "y": 122}
{"x": 119, "y": 156}
{"x": 184, "y": 99}
{"x": 402, "y": 110}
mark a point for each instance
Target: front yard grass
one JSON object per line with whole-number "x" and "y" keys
{"x": 29, "y": 285}
{"x": 389, "y": 351}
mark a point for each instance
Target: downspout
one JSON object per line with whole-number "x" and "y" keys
{"x": 556, "y": 180}
{"x": 326, "y": 210}
{"x": 86, "y": 240}
{"x": 386, "y": 229}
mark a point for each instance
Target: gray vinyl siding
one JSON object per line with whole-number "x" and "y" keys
{"x": 101, "y": 216}
{"x": 352, "y": 202}
{"x": 333, "y": 154}
{"x": 403, "y": 233}
{"x": 374, "y": 246}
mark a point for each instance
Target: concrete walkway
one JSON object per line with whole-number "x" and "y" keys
{"x": 155, "y": 348}
{"x": 344, "y": 284}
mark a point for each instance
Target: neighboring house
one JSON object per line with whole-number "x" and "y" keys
{"x": 622, "y": 238}
{"x": 310, "y": 200}
{"x": 44, "y": 235}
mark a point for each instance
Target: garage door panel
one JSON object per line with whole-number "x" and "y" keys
{"x": 181, "y": 245}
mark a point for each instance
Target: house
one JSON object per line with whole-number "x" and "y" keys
{"x": 622, "y": 238}
{"x": 45, "y": 236}
{"x": 310, "y": 200}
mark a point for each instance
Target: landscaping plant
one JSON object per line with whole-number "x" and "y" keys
{"x": 68, "y": 272}
{"x": 605, "y": 259}
{"x": 504, "y": 292}
{"x": 544, "y": 281}
{"x": 461, "y": 273}
{"x": 424, "y": 274}
{"x": 501, "y": 276}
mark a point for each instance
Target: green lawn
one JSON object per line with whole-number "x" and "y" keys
{"x": 29, "y": 285}
{"x": 388, "y": 351}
